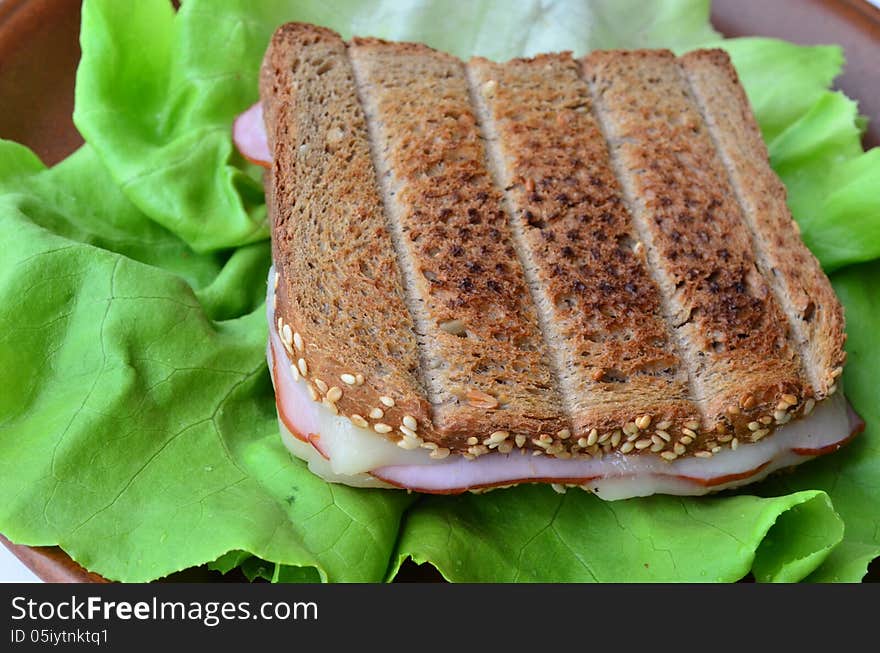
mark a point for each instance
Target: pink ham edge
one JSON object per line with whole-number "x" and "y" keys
{"x": 249, "y": 136}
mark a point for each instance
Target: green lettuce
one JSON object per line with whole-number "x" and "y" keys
{"x": 137, "y": 420}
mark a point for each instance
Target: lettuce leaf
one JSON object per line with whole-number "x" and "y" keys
{"x": 137, "y": 423}
{"x": 136, "y": 431}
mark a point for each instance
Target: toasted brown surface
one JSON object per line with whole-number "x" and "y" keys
{"x": 806, "y": 294}
{"x": 544, "y": 254}
{"x": 487, "y": 362}
{"x": 602, "y": 310}
{"x": 339, "y": 284}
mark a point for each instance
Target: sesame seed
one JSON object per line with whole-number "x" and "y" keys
{"x": 780, "y": 415}
{"x": 809, "y": 405}
{"x": 689, "y": 432}
{"x": 754, "y": 426}
{"x": 686, "y": 439}
{"x": 665, "y": 424}
{"x": 790, "y": 399}
{"x": 615, "y": 439}
{"x": 408, "y": 432}
{"x": 656, "y": 439}
{"x": 555, "y": 449}
{"x": 748, "y": 402}
{"x": 439, "y": 454}
{"x": 644, "y": 443}
{"x": 630, "y": 428}
{"x": 334, "y": 393}
{"x": 410, "y": 422}
{"x": 478, "y": 450}
{"x": 359, "y": 379}
{"x": 665, "y": 435}
{"x": 605, "y": 437}
{"x": 766, "y": 420}
{"x": 592, "y": 438}
{"x": 626, "y": 447}
{"x": 520, "y": 440}
{"x": 540, "y": 443}
{"x": 734, "y": 443}
{"x": 559, "y": 489}
{"x": 382, "y": 428}
{"x": 280, "y": 325}
{"x": 287, "y": 334}
{"x": 537, "y": 452}
{"x": 632, "y": 437}
{"x": 295, "y": 372}
{"x": 679, "y": 448}
{"x": 668, "y": 455}
{"x": 427, "y": 445}
{"x": 582, "y": 442}
{"x": 643, "y": 422}
{"x": 546, "y": 437}
{"x": 312, "y": 392}
{"x": 505, "y": 447}
{"x": 757, "y": 435}
{"x": 408, "y": 443}
{"x": 359, "y": 421}
{"x": 658, "y": 446}
{"x": 703, "y": 454}
{"x": 321, "y": 386}
{"x": 472, "y": 440}
{"x": 499, "y": 436}
{"x": 563, "y": 434}
{"x": 692, "y": 425}
{"x": 277, "y": 279}
{"x": 377, "y": 413}
{"x": 837, "y": 371}
{"x": 274, "y": 301}
{"x": 303, "y": 366}
{"x": 725, "y": 438}
{"x": 347, "y": 379}
{"x": 388, "y": 401}
{"x": 329, "y": 404}
{"x": 298, "y": 341}
{"x": 716, "y": 449}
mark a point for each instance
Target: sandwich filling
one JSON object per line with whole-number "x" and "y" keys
{"x": 339, "y": 451}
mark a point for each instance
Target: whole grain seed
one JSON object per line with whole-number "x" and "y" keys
{"x": 643, "y": 422}
{"x": 377, "y": 413}
{"x": 334, "y": 393}
{"x": 472, "y": 441}
{"x": 297, "y": 341}
{"x": 347, "y": 379}
{"x": 359, "y": 421}
{"x": 322, "y": 387}
{"x": 382, "y": 428}
{"x": 303, "y": 366}
{"x": 387, "y": 401}
{"x": 410, "y": 422}
{"x": 295, "y": 372}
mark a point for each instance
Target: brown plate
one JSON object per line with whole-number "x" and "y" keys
{"x": 39, "y": 51}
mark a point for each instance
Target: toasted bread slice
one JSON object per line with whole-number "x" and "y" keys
{"x": 569, "y": 257}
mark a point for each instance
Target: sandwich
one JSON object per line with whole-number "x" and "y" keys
{"x": 580, "y": 272}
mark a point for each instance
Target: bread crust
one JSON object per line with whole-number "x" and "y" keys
{"x": 391, "y": 237}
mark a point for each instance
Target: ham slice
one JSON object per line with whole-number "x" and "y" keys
{"x": 249, "y": 136}
{"x": 339, "y": 451}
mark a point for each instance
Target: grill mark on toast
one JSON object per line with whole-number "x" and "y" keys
{"x": 487, "y": 368}
{"x": 600, "y": 312}
{"x": 733, "y": 332}
{"x": 551, "y": 336}
{"x": 813, "y": 311}
{"x": 339, "y": 286}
